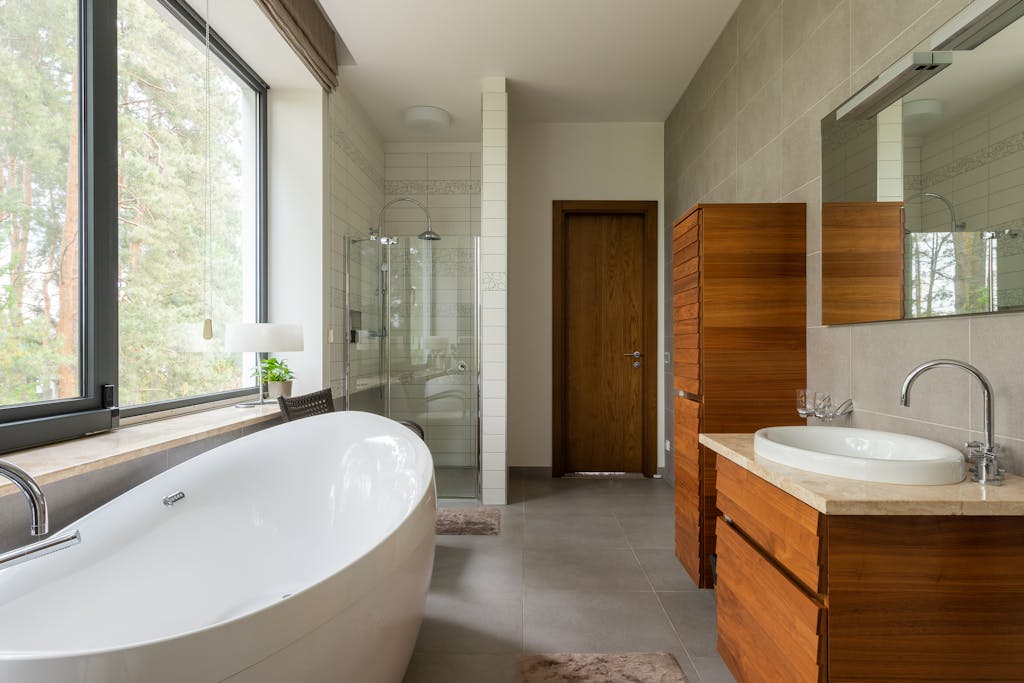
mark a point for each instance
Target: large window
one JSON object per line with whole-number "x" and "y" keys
{"x": 39, "y": 201}
{"x": 131, "y": 210}
{"x": 186, "y": 248}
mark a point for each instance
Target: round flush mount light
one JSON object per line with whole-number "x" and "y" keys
{"x": 425, "y": 117}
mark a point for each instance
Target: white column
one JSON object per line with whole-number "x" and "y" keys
{"x": 493, "y": 288}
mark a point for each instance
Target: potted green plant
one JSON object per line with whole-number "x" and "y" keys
{"x": 278, "y": 377}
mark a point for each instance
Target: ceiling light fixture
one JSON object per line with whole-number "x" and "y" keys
{"x": 426, "y": 117}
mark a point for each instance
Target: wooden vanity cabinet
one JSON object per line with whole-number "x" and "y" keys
{"x": 739, "y": 329}
{"x": 805, "y": 597}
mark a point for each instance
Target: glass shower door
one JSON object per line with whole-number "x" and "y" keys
{"x": 432, "y": 352}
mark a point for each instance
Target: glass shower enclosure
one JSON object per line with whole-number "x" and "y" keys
{"x": 414, "y": 351}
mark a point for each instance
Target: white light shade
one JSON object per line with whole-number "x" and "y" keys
{"x": 261, "y": 337}
{"x": 427, "y": 118}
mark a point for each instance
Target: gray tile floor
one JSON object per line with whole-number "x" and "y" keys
{"x": 581, "y": 565}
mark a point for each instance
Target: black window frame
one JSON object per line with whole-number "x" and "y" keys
{"x": 34, "y": 424}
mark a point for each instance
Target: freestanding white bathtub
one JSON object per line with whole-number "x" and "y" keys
{"x": 300, "y": 553}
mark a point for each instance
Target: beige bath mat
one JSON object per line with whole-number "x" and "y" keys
{"x": 479, "y": 521}
{"x": 630, "y": 667}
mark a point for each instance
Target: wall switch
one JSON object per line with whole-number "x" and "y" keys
{"x": 668, "y": 445}
{"x": 330, "y": 336}
{"x": 668, "y": 358}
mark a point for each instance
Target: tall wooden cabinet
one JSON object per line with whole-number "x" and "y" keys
{"x": 740, "y": 326}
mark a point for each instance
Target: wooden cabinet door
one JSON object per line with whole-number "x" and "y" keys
{"x": 769, "y": 629}
{"x": 688, "y": 488}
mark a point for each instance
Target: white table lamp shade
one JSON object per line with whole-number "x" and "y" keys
{"x": 260, "y": 337}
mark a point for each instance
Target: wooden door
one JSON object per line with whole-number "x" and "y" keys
{"x": 606, "y": 331}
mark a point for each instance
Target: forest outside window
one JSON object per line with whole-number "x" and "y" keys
{"x": 114, "y": 247}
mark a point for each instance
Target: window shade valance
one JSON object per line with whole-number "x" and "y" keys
{"x": 307, "y": 30}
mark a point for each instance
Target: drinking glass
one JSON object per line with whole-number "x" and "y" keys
{"x": 804, "y": 406}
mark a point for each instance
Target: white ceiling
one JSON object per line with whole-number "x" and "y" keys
{"x": 566, "y": 60}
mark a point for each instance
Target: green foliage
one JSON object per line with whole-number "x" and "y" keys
{"x": 275, "y": 370}
{"x": 164, "y": 246}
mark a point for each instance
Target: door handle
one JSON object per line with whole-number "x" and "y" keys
{"x": 635, "y": 354}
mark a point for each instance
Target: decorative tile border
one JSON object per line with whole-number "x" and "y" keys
{"x": 350, "y": 150}
{"x": 997, "y": 150}
{"x": 407, "y": 188}
{"x": 494, "y": 282}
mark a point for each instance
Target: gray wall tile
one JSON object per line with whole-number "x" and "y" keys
{"x": 829, "y": 49}
{"x": 884, "y": 353}
{"x": 762, "y": 60}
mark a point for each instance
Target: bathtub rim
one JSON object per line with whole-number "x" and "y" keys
{"x": 427, "y": 498}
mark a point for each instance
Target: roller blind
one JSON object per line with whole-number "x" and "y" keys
{"x": 307, "y": 30}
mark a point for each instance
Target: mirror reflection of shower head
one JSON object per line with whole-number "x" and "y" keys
{"x": 428, "y": 234}
{"x": 954, "y": 226}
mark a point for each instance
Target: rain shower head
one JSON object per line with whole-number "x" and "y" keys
{"x": 427, "y": 234}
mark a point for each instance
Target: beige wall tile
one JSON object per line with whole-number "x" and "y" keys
{"x": 829, "y": 360}
{"x": 721, "y": 158}
{"x": 751, "y": 17}
{"x": 990, "y": 337}
{"x": 722, "y": 107}
{"x": 761, "y": 60}
{"x": 817, "y": 66}
{"x": 800, "y": 18}
{"x": 814, "y": 289}
{"x": 757, "y": 180}
{"x": 760, "y": 120}
{"x": 884, "y": 353}
{"x": 724, "y": 192}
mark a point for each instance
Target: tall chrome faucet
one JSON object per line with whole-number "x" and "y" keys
{"x": 40, "y": 524}
{"x": 984, "y": 455}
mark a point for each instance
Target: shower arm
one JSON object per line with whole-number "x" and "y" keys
{"x": 953, "y": 227}
{"x": 380, "y": 216}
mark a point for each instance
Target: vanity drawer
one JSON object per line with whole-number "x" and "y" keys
{"x": 769, "y": 629}
{"x": 788, "y": 530}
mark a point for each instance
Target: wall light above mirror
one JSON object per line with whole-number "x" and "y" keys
{"x": 923, "y": 178}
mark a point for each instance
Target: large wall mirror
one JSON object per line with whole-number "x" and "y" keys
{"x": 923, "y": 179}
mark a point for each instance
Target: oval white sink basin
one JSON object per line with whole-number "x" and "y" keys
{"x": 863, "y": 454}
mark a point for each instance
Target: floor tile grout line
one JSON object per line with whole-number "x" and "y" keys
{"x": 661, "y": 605}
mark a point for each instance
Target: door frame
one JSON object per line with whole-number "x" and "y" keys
{"x": 649, "y": 211}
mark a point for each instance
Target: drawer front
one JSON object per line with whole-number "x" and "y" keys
{"x": 769, "y": 629}
{"x": 787, "y": 529}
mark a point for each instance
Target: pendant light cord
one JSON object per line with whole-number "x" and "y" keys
{"x": 208, "y": 246}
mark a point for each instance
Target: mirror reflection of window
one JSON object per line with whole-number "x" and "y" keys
{"x": 952, "y": 152}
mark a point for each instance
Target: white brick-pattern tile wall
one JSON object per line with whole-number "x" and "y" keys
{"x": 494, "y": 290}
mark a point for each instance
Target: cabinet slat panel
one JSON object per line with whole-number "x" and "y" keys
{"x": 758, "y": 605}
{"x": 785, "y": 528}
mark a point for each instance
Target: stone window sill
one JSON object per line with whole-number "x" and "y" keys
{"x": 48, "y": 464}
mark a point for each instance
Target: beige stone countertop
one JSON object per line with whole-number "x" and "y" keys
{"x": 59, "y": 461}
{"x": 838, "y": 496}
